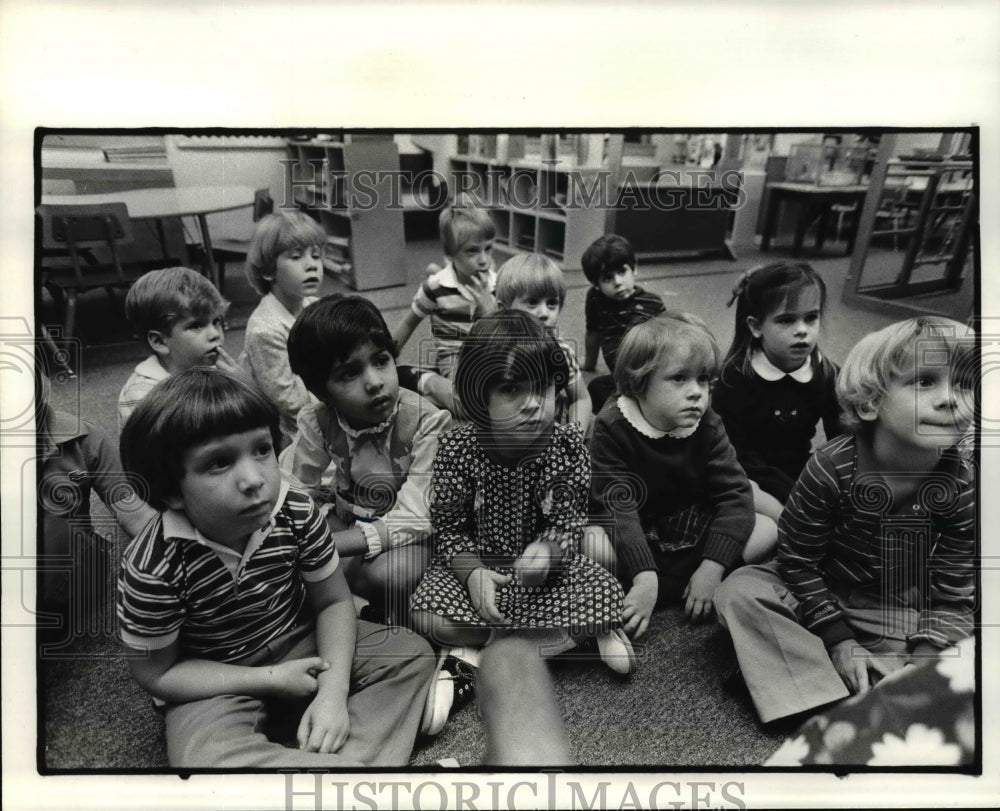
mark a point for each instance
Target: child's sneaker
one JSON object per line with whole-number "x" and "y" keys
{"x": 616, "y": 651}
{"x": 452, "y": 687}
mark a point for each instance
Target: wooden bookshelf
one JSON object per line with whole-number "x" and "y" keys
{"x": 352, "y": 189}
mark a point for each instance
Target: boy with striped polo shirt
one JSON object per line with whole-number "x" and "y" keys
{"x": 233, "y": 606}
{"x": 461, "y": 292}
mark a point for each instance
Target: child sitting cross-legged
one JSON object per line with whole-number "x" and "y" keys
{"x": 179, "y": 314}
{"x": 365, "y": 450}
{"x": 232, "y": 604}
{"x": 508, "y": 508}
{"x": 676, "y": 504}
{"x": 876, "y": 563}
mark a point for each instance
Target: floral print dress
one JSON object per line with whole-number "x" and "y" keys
{"x": 494, "y": 509}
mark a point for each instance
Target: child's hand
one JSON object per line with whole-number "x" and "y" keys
{"x": 296, "y": 678}
{"x": 225, "y": 363}
{"x": 482, "y": 585}
{"x": 700, "y": 590}
{"x": 485, "y": 301}
{"x": 324, "y": 727}
{"x": 639, "y": 603}
{"x": 858, "y": 667}
{"x": 533, "y": 564}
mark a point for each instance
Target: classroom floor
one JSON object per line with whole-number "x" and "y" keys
{"x": 673, "y": 712}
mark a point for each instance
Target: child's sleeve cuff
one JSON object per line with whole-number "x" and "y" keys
{"x": 372, "y": 537}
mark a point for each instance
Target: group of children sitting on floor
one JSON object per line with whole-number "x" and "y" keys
{"x": 362, "y": 546}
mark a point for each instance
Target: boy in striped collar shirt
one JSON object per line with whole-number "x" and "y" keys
{"x": 232, "y": 604}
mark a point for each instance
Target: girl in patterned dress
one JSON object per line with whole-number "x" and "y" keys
{"x": 508, "y": 506}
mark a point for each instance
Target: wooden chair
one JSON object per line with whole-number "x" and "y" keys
{"x": 89, "y": 236}
{"x": 234, "y": 249}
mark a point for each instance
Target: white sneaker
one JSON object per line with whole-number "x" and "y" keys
{"x": 451, "y": 688}
{"x": 616, "y": 651}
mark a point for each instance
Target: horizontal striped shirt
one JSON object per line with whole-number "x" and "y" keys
{"x": 452, "y": 308}
{"x": 839, "y": 529}
{"x": 176, "y": 585}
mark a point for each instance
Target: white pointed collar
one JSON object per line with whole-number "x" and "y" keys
{"x": 767, "y": 370}
{"x": 631, "y": 412}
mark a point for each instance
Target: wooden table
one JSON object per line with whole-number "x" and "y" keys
{"x": 161, "y": 204}
{"x": 810, "y": 198}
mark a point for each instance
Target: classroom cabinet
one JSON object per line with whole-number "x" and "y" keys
{"x": 354, "y": 189}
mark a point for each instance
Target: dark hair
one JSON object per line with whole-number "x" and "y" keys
{"x": 758, "y": 293}
{"x": 605, "y": 255}
{"x": 508, "y": 346}
{"x": 185, "y": 410}
{"x": 328, "y": 331}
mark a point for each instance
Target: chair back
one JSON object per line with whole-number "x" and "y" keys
{"x": 74, "y": 227}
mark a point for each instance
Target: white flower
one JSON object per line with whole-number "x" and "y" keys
{"x": 923, "y": 746}
{"x": 956, "y": 665}
{"x": 791, "y": 753}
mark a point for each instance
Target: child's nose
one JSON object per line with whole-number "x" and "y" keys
{"x": 251, "y": 477}
{"x": 374, "y": 380}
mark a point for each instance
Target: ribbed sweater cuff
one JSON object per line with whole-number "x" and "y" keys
{"x": 724, "y": 549}
{"x": 633, "y": 559}
{"x": 833, "y": 632}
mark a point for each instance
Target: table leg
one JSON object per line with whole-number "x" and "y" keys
{"x": 805, "y": 212}
{"x": 770, "y": 219}
{"x": 206, "y": 241}
{"x": 824, "y": 223}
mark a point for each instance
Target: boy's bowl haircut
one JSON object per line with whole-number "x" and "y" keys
{"x": 272, "y": 236}
{"x": 328, "y": 331}
{"x": 529, "y": 274}
{"x": 510, "y": 345}
{"x": 185, "y": 410}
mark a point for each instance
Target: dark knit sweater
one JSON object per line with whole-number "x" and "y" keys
{"x": 636, "y": 478}
{"x": 771, "y": 423}
{"x": 611, "y": 319}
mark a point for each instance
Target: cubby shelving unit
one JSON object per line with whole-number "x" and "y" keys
{"x": 362, "y": 214}
{"x": 535, "y": 205}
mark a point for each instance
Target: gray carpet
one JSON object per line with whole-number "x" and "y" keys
{"x": 671, "y": 713}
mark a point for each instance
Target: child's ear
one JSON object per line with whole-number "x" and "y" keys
{"x": 754, "y": 326}
{"x": 633, "y": 268}
{"x": 158, "y": 342}
{"x": 868, "y": 412}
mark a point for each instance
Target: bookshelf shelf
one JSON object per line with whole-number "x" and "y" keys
{"x": 362, "y": 214}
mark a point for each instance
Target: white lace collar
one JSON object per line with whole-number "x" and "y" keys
{"x": 382, "y": 427}
{"x": 631, "y": 412}
{"x": 767, "y": 370}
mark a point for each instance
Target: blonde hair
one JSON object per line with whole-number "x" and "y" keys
{"x": 275, "y": 234}
{"x": 890, "y": 352}
{"x": 647, "y": 345}
{"x": 462, "y": 222}
{"x": 529, "y": 274}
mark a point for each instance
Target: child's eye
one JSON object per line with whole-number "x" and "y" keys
{"x": 812, "y": 318}
{"x": 382, "y": 360}
{"x": 704, "y": 380}
{"x": 923, "y": 382}
{"x": 264, "y": 449}
{"x": 678, "y": 378}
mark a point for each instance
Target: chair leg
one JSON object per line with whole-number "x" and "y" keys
{"x": 70, "y": 322}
